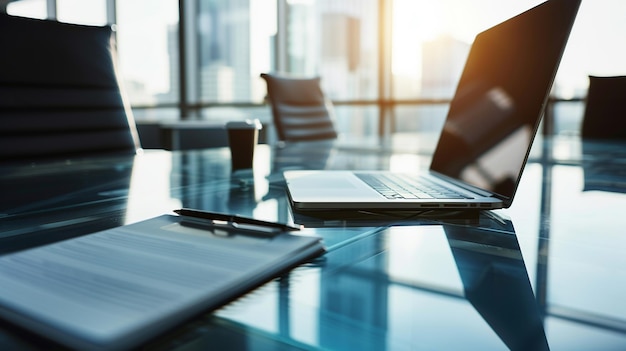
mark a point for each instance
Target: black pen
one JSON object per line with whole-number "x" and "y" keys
{"x": 214, "y": 216}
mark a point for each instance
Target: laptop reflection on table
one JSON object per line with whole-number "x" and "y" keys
{"x": 495, "y": 281}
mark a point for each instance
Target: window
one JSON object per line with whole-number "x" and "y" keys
{"x": 431, "y": 40}
{"x": 91, "y": 12}
{"x": 230, "y": 42}
{"x": 235, "y": 41}
{"x": 337, "y": 40}
{"x": 28, "y": 8}
{"x": 147, "y": 41}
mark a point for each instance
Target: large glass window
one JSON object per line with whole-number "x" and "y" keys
{"x": 431, "y": 40}
{"x": 147, "y": 40}
{"x": 337, "y": 40}
{"x": 230, "y": 42}
{"x": 594, "y": 48}
{"x": 236, "y": 43}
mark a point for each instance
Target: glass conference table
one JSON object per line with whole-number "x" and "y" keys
{"x": 547, "y": 273}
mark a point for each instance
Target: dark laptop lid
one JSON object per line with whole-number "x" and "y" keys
{"x": 500, "y": 98}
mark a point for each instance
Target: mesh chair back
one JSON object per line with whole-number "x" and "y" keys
{"x": 299, "y": 108}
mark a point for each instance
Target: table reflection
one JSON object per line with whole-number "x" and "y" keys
{"x": 380, "y": 292}
{"x": 391, "y": 281}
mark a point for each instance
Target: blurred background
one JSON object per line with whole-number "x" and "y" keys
{"x": 389, "y": 66}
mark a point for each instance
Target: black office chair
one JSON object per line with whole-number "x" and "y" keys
{"x": 605, "y": 110}
{"x": 299, "y": 108}
{"x": 60, "y": 96}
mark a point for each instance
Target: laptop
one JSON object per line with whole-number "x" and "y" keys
{"x": 488, "y": 133}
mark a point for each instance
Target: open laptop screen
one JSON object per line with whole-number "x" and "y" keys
{"x": 500, "y": 98}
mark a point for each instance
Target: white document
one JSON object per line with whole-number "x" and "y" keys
{"x": 117, "y": 288}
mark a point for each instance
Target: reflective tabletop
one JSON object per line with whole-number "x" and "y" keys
{"x": 544, "y": 274}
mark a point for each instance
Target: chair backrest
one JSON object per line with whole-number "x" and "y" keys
{"x": 299, "y": 108}
{"x": 605, "y": 109}
{"x": 59, "y": 92}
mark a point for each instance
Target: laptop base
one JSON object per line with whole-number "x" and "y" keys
{"x": 359, "y": 218}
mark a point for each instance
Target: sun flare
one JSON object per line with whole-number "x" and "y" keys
{"x": 415, "y": 22}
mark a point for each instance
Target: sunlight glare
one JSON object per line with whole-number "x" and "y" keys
{"x": 414, "y": 23}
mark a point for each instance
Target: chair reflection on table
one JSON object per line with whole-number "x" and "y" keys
{"x": 289, "y": 156}
{"x": 301, "y": 155}
{"x": 601, "y": 172}
{"x": 59, "y": 199}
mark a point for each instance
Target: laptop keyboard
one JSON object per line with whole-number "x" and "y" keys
{"x": 394, "y": 186}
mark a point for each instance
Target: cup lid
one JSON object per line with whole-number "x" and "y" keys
{"x": 247, "y": 124}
